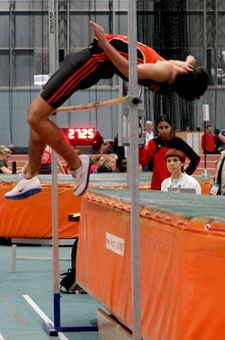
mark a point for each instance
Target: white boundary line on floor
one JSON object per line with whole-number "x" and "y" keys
{"x": 42, "y": 315}
{"x": 1, "y": 337}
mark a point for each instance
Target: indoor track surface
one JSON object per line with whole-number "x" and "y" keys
{"x": 26, "y": 298}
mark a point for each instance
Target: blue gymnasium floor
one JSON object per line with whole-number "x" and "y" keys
{"x": 33, "y": 281}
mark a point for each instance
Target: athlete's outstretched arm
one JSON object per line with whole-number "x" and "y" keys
{"x": 159, "y": 72}
{"x": 120, "y": 62}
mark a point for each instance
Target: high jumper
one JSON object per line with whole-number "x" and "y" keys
{"x": 106, "y": 56}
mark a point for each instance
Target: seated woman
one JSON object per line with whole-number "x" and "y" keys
{"x": 4, "y": 158}
{"x": 97, "y": 161}
{"x": 175, "y": 160}
{"x": 108, "y": 165}
{"x": 157, "y": 148}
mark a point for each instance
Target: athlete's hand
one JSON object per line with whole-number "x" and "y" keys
{"x": 190, "y": 60}
{"x": 100, "y": 34}
{"x": 189, "y": 63}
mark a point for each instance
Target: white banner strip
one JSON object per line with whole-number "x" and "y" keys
{"x": 115, "y": 244}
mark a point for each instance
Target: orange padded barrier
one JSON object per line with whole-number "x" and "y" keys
{"x": 182, "y": 270}
{"x": 206, "y": 186}
{"x": 32, "y": 217}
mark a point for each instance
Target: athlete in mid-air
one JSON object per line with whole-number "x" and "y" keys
{"x": 106, "y": 56}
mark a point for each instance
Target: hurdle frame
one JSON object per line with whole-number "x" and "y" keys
{"x": 36, "y": 241}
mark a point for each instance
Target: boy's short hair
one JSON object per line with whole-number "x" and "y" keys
{"x": 191, "y": 85}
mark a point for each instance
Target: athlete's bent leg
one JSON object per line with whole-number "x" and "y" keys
{"x": 50, "y": 132}
{"x": 44, "y": 131}
{"x": 36, "y": 149}
{"x": 38, "y": 119}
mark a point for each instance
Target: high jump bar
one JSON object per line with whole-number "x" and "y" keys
{"x": 93, "y": 105}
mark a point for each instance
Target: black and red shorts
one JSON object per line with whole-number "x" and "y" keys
{"x": 79, "y": 71}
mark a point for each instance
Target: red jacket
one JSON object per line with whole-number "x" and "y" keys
{"x": 156, "y": 150}
{"x": 210, "y": 142}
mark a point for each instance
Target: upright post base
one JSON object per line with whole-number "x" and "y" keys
{"x": 53, "y": 331}
{"x": 50, "y": 329}
{"x": 205, "y": 174}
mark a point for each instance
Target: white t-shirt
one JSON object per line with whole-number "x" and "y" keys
{"x": 148, "y": 136}
{"x": 184, "y": 181}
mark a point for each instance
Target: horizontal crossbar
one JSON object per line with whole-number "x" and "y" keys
{"x": 93, "y": 105}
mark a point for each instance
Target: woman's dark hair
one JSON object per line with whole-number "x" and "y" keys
{"x": 163, "y": 118}
{"x": 191, "y": 85}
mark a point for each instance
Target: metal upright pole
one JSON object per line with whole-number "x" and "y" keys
{"x": 52, "y": 63}
{"x": 134, "y": 169}
{"x": 205, "y": 174}
{"x": 205, "y": 141}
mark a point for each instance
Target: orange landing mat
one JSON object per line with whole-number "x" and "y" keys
{"x": 182, "y": 269}
{"x": 32, "y": 217}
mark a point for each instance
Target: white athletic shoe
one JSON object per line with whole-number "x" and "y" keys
{"x": 81, "y": 175}
{"x": 24, "y": 189}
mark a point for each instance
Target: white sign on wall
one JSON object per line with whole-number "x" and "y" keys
{"x": 205, "y": 112}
